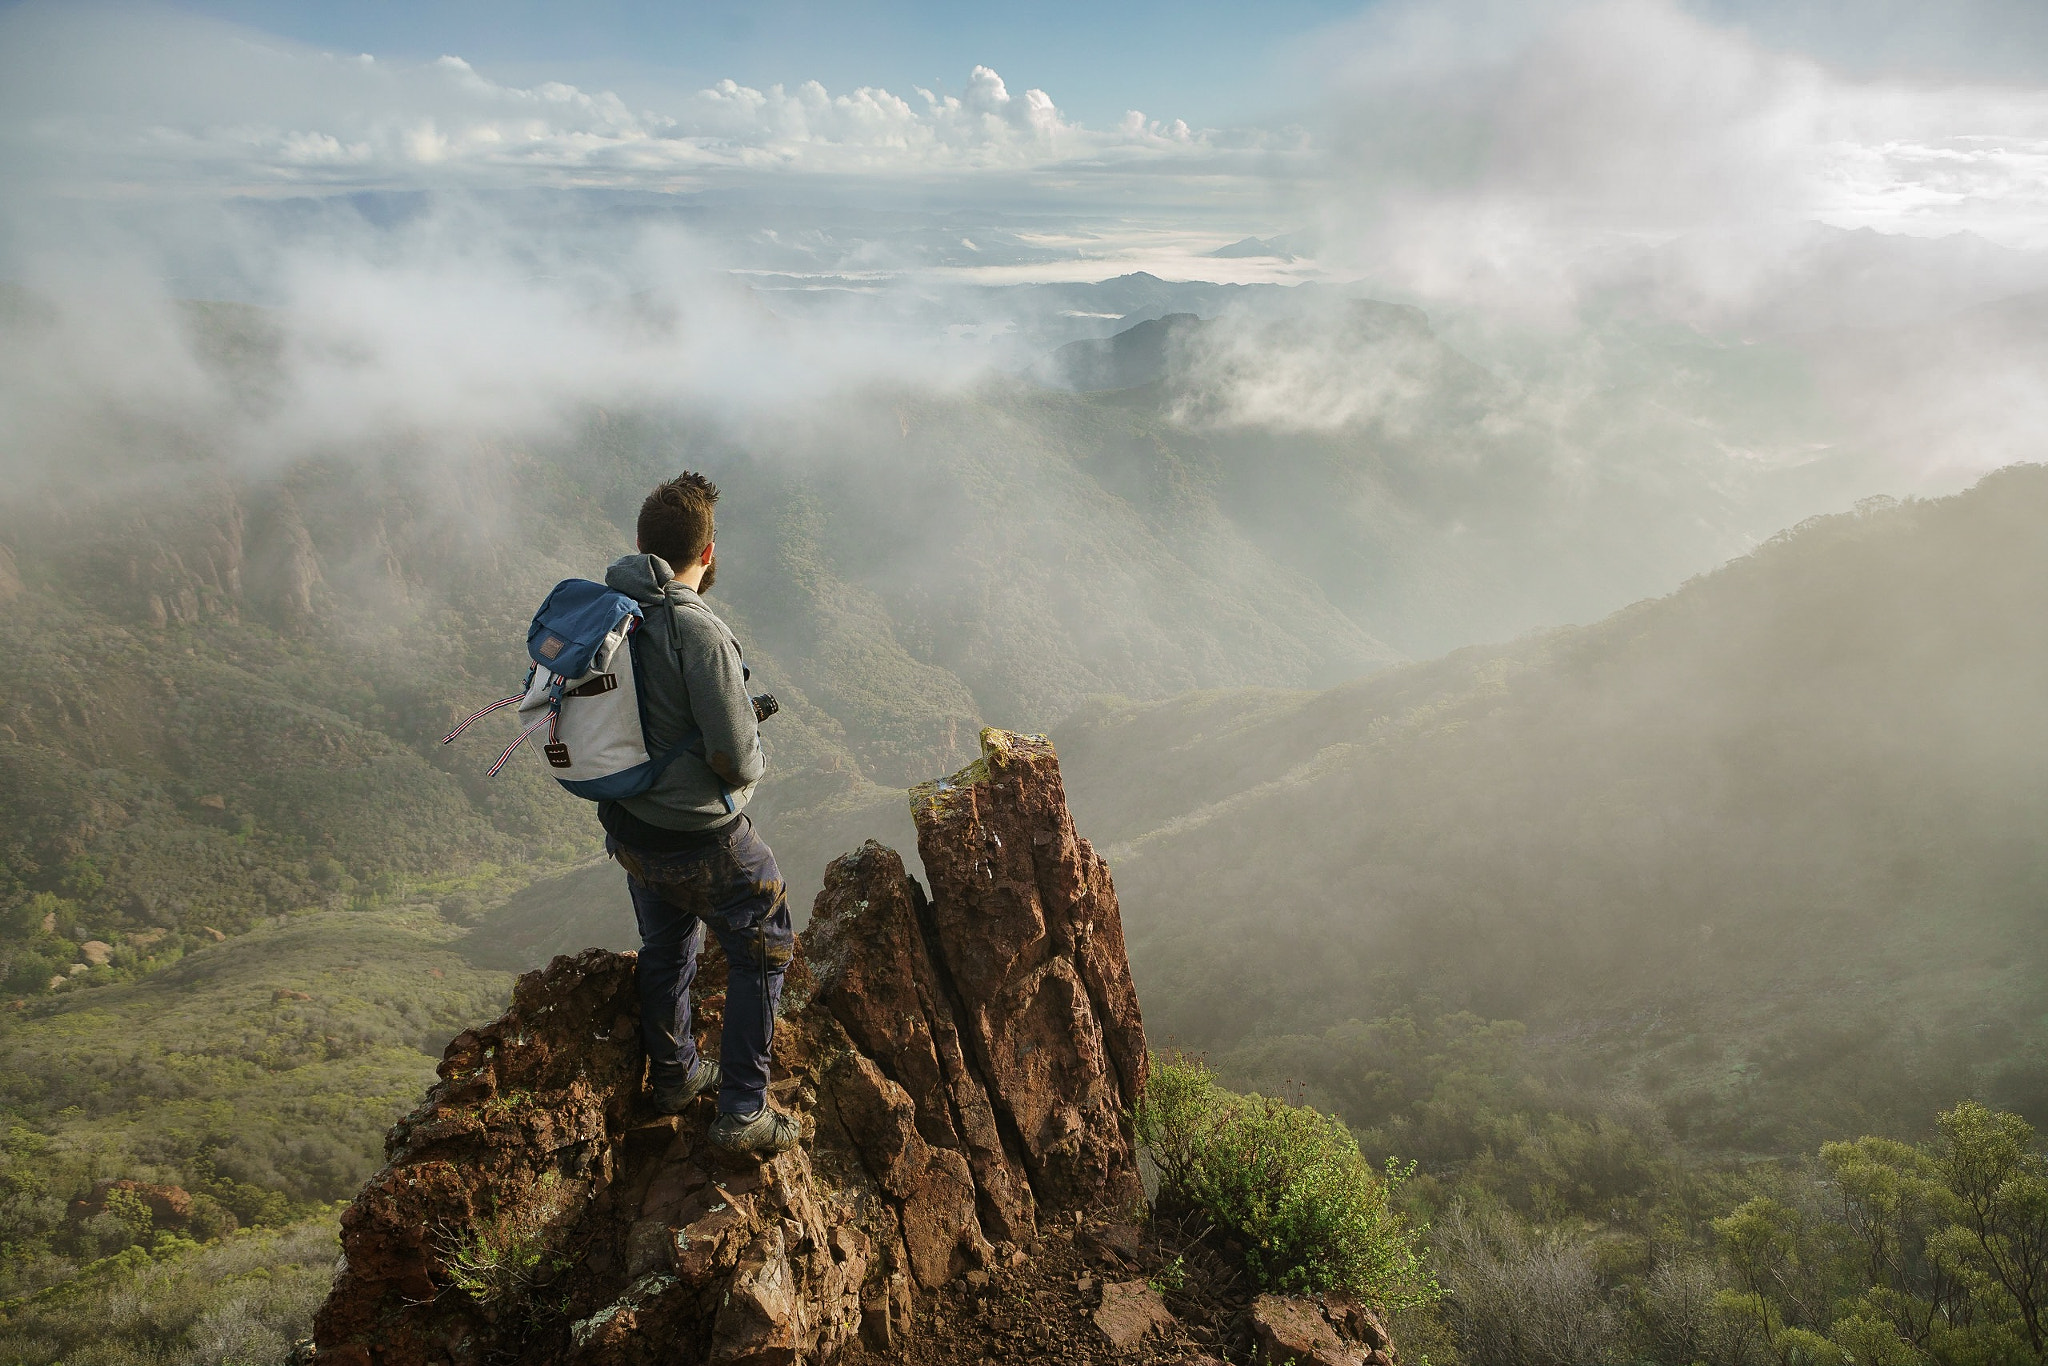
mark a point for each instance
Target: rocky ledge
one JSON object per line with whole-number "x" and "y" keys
{"x": 964, "y": 1065}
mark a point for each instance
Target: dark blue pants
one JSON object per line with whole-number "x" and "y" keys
{"x": 734, "y": 887}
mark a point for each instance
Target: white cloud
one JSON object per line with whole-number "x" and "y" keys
{"x": 428, "y": 336}
{"x": 1534, "y": 153}
{"x": 149, "y": 96}
{"x": 1538, "y": 159}
{"x": 874, "y": 130}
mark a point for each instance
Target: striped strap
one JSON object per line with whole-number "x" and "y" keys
{"x": 515, "y": 745}
{"x": 503, "y": 702}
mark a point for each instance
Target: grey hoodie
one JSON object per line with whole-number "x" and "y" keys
{"x": 693, "y": 693}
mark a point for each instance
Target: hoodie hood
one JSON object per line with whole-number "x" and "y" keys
{"x": 640, "y": 577}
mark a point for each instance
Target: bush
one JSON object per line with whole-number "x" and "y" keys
{"x": 1677, "y": 1321}
{"x": 1523, "y": 1298}
{"x": 242, "y": 1300}
{"x": 1285, "y": 1181}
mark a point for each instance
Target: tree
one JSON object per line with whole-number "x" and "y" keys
{"x": 1922, "y": 1255}
{"x": 1893, "y": 1198}
{"x": 2000, "y": 1185}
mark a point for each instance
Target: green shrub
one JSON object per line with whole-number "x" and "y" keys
{"x": 500, "y": 1263}
{"x": 243, "y": 1299}
{"x": 1288, "y": 1183}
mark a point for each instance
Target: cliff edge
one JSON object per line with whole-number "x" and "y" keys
{"x": 963, "y": 1064}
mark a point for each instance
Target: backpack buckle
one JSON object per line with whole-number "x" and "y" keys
{"x": 557, "y": 752}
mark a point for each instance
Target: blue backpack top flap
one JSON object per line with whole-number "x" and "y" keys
{"x": 572, "y": 623}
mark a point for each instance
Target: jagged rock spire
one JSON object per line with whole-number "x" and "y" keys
{"x": 1024, "y": 915}
{"x": 963, "y": 1064}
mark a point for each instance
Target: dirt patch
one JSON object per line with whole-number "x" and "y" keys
{"x": 1043, "y": 1309}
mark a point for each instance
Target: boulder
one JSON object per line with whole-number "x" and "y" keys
{"x": 1129, "y": 1310}
{"x": 1288, "y": 1330}
{"x": 1358, "y": 1323}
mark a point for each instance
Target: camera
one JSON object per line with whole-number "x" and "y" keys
{"x": 765, "y": 706}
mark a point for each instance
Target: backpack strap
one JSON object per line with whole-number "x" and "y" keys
{"x": 501, "y": 702}
{"x": 551, "y": 718}
{"x": 517, "y": 743}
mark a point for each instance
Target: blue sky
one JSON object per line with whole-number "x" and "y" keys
{"x": 1446, "y": 146}
{"x": 1205, "y": 60}
{"x": 1209, "y": 61}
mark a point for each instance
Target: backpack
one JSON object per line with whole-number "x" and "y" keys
{"x": 581, "y": 687}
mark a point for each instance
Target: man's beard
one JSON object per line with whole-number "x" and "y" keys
{"x": 710, "y": 575}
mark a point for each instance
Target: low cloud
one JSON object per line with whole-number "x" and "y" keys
{"x": 430, "y": 336}
{"x": 1540, "y": 177}
{"x": 1574, "y": 148}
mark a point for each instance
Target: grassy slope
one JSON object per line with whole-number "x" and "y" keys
{"x": 1769, "y": 845}
{"x": 276, "y": 1059}
{"x": 247, "y": 1298}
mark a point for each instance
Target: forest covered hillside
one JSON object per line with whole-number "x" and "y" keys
{"x": 1766, "y": 851}
{"x": 226, "y": 671}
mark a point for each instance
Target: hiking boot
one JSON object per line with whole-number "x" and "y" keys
{"x": 705, "y": 1076}
{"x": 766, "y": 1132}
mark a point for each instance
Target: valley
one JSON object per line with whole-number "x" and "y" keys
{"x": 1586, "y": 922}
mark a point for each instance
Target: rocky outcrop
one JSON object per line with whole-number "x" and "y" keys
{"x": 963, "y": 1065}
{"x": 170, "y": 1207}
{"x": 284, "y": 571}
{"x": 179, "y": 563}
{"x": 1024, "y": 913}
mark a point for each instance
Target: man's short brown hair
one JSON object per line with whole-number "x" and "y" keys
{"x": 675, "y": 521}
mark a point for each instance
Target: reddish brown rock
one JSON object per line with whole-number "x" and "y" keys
{"x": 510, "y": 1145}
{"x": 940, "y": 1233}
{"x": 1025, "y": 918}
{"x": 887, "y": 1313}
{"x": 1290, "y": 1331}
{"x": 932, "y": 1189}
{"x": 170, "y": 1207}
{"x": 1129, "y": 1310}
{"x": 867, "y": 949}
{"x": 534, "y": 1210}
{"x": 1358, "y": 1323}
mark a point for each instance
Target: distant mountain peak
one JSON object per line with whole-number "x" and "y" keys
{"x": 1289, "y": 246}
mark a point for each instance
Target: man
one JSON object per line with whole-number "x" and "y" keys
{"x": 689, "y": 850}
